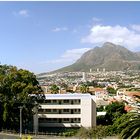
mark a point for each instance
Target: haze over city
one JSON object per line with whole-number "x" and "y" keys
{"x": 44, "y": 36}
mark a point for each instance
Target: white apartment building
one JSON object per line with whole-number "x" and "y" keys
{"x": 66, "y": 110}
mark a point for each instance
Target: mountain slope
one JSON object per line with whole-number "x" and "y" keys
{"x": 109, "y": 56}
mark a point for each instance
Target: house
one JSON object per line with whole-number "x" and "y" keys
{"x": 100, "y": 93}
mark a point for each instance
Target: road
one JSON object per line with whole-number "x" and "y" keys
{"x": 8, "y": 136}
{"x": 16, "y": 136}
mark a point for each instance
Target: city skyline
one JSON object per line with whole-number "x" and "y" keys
{"x": 44, "y": 36}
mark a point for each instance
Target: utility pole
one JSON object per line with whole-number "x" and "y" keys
{"x": 20, "y": 121}
{"x": 35, "y": 110}
{"x": 36, "y": 116}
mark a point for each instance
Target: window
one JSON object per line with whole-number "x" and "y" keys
{"x": 41, "y": 120}
{"x": 76, "y": 120}
{"x": 66, "y": 110}
{"x": 66, "y": 101}
{"x": 40, "y": 110}
{"x": 48, "y": 101}
{"x": 54, "y": 110}
{"x": 51, "y": 120}
{"x": 66, "y": 120}
{"x": 72, "y": 102}
{"x": 54, "y": 101}
{"x": 77, "y": 101}
{"x": 60, "y": 102}
{"x": 48, "y": 110}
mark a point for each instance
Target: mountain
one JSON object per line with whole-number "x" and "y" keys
{"x": 110, "y": 56}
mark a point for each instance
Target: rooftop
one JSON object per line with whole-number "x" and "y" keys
{"x": 68, "y": 96}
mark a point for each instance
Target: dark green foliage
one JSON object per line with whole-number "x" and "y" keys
{"x": 84, "y": 88}
{"x": 69, "y": 133}
{"x": 97, "y": 132}
{"x": 101, "y": 120}
{"x": 54, "y": 89}
{"x": 94, "y": 84}
{"x": 83, "y": 133}
{"x": 118, "y": 122}
{"x": 115, "y": 128}
{"x": 113, "y": 111}
{"x": 131, "y": 127}
{"x": 99, "y": 109}
{"x": 17, "y": 88}
{"x": 111, "y": 90}
{"x": 126, "y": 125}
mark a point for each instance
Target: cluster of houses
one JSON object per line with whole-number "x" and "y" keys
{"x": 102, "y": 95}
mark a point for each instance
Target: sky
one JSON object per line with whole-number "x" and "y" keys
{"x": 44, "y": 36}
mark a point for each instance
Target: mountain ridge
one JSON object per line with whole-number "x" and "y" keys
{"x": 110, "y": 56}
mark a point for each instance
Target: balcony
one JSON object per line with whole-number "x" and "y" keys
{"x": 62, "y": 102}
{"x": 59, "y": 111}
{"x": 59, "y": 124}
{"x": 44, "y": 106}
{"x": 59, "y": 115}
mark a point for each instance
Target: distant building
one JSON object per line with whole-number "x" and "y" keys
{"x": 45, "y": 89}
{"x": 90, "y": 70}
{"x": 84, "y": 77}
{"x": 75, "y": 87}
{"x": 101, "y": 93}
{"x": 66, "y": 110}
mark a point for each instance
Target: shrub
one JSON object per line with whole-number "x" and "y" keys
{"x": 93, "y": 133}
{"x": 83, "y": 133}
{"x": 68, "y": 134}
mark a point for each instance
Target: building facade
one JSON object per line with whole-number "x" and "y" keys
{"x": 66, "y": 110}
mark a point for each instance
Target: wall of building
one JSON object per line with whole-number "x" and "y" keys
{"x": 67, "y": 110}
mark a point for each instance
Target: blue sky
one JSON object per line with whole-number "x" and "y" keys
{"x": 44, "y": 36}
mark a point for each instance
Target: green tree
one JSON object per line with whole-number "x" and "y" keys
{"x": 113, "y": 111}
{"x": 84, "y": 88}
{"x": 17, "y": 88}
{"x": 98, "y": 132}
{"x": 115, "y": 129}
{"x": 131, "y": 128}
{"x": 111, "y": 90}
{"x": 101, "y": 120}
{"x": 101, "y": 108}
{"x": 54, "y": 89}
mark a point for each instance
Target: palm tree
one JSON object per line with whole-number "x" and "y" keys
{"x": 54, "y": 89}
{"x": 131, "y": 128}
{"x": 84, "y": 88}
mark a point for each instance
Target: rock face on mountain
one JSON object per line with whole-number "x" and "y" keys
{"x": 109, "y": 56}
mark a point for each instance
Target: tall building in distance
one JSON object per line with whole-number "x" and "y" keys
{"x": 97, "y": 69}
{"x": 90, "y": 70}
{"x": 84, "y": 77}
